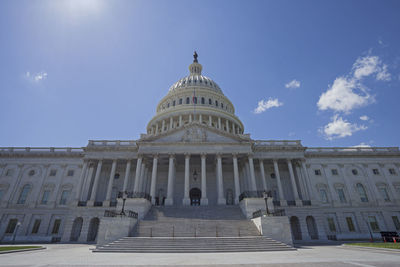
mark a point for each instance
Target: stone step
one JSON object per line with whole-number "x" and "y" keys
{"x": 193, "y": 245}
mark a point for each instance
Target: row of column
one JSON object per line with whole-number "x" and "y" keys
{"x": 230, "y": 126}
{"x": 141, "y": 172}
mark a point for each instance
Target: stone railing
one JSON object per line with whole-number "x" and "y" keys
{"x": 277, "y": 143}
{"x": 41, "y": 149}
{"x": 112, "y": 143}
{"x": 128, "y": 213}
{"x": 351, "y": 149}
{"x": 251, "y": 194}
{"x": 260, "y": 213}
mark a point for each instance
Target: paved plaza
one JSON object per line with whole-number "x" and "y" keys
{"x": 81, "y": 255}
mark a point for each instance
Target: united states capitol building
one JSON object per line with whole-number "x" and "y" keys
{"x": 196, "y": 165}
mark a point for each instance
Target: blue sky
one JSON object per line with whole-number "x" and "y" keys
{"x": 324, "y": 72}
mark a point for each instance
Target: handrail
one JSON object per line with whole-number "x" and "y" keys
{"x": 41, "y": 149}
{"x": 352, "y": 149}
{"x": 112, "y": 143}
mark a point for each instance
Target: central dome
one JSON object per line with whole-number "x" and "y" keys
{"x": 195, "y": 98}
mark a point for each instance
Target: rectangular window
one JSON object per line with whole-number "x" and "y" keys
{"x": 396, "y": 222}
{"x": 56, "y": 226}
{"x": 12, "y": 223}
{"x": 70, "y": 173}
{"x": 375, "y": 171}
{"x": 64, "y": 197}
{"x": 334, "y": 172}
{"x": 45, "y": 197}
{"x": 187, "y": 100}
{"x": 373, "y": 223}
{"x": 331, "y": 224}
{"x": 341, "y": 195}
{"x": 180, "y": 101}
{"x": 36, "y": 225}
{"x": 209, "y": 101}
{"x": 53, "y": 172}
{"x": 384, "y": 194}
{"x": 392, "y": 171}
{"x": 350, "y": 224}
{"x": 324, "y": 196}
{"x": 174, "y": 103}
{"x": 317, "y": 172}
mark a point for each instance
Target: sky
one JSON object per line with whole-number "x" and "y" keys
{"x": 323, "y": 72}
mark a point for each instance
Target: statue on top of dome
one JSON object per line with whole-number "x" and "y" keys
{"x": 195, "y": 57}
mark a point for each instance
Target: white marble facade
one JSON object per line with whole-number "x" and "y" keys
{"x": 195, "y": 152}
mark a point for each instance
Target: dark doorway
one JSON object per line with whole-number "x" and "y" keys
{"x": 295, "y": 227}
{"x": 195, "y": 196}
{"x": 93, "y": 229}
{"x": 76, "y": 229}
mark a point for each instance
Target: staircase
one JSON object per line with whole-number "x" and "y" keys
{"x": 193, "y": 245}
{"x": 194, "y": 229}
{"x": 197, "y": 221}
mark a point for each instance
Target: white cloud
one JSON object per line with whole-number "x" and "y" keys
{"x": 293, "y": 84}
{"x": 339, "y": 128}
{"x": 362, "y": 144}
{"x": 364, "y": 118}
{"x": 36, "y": 77}
{"x": 264, "y": 105}
{"x": 344, "y": 95}
{"x": 348, "y": 92}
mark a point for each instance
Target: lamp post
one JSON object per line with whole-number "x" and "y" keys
{"x": 123, "y": 202}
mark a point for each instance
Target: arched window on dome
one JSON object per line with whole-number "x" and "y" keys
{"x": 209, "y": 101}
{"x": 180, "y": 101}
{"x": 216, "y": 103}
{"x": 222, "y": 105}
{"x": 168, "y": 105}
{"x": 187, "y": 100}
{"x": 205, "y": 81}
{"x": 362, "y": 192}
{"x": 203, "y": 101}
{"x": 173, "y": 103}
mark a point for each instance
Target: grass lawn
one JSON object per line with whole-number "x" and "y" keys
{"x": 376, "y": 245}
{"x": 8, "y": 248}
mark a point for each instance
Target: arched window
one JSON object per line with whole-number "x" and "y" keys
{"x": 324, "y": 196}
{"x": 187, "y": 100}
{"x": 24, "y": 194}
{"x": 209, "y": 101}
{"x": 216, "y": 103}
{"x": 180, "y": 101}
{"x": 203, "y": 101}
{"x": 222, "y": 105}
{"x": 362, "y": 193}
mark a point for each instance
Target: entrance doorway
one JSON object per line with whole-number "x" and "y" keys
{"x": 195, "y": 196}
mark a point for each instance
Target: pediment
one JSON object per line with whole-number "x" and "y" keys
{"x": 194, "y": 133}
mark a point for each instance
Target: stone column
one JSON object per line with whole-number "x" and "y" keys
{"x": 157, "y": 128}
{"x": 88, "y": 179}
{"x": 293, "y": 182}
{"x": 264, "y": 182}
{"x": 11, "y": 194}
{"x": 370, "y": 187}
{"x": 96, "y": 183}
{"x": 80, "y": 182}
{"x": 190, "y": 118}
{"x": 111, "y": 180}
{"x": 137, "y": 174}
{"x": 171, "y": 123}
{"x": 169, "y": 201}
{"x": 180, "y": 120}
{"x": 141, "y": 176}
{"x": 252, "y": 175}
{"x": 204, "y": 199}
{"x": 220, "y": 184}
{"x": 209, "y": 120}
{"x": 186, "y": 199}
{"x": 227, "y": 125}
{"x": 219, "y": 122}
{"x": 278, "y": 180}
{"x": 154, "y": 180}
{"x": 236, "y": 178}
{"x": 247, "y": 177}
{"x": 127, "y": 173}
{"x": 308, "y": 182}
{"x": 390, "y": 187}
{"x": 200, "y": 119}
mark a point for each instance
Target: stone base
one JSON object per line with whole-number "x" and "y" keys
{"x": 90, "y": 203}
{"x": 114, "y": 228}
{"x": 250, "y": 205}
{"x": 169, "y": 202}
{"x": 299, "y": 203}
{"x": 277, "y": 228}
{"x": 204, "y": 202}
{"x": 221, "y": 201}
{"x": 186, "y": 202}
